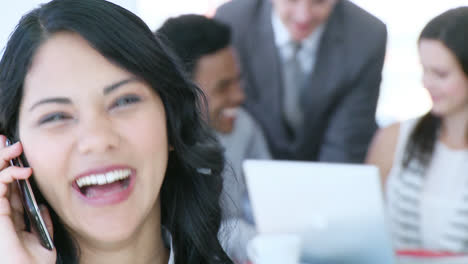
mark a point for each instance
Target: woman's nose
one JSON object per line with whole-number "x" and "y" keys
{"x": 98, "y": 135}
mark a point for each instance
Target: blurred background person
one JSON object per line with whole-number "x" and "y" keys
{"x": 313, "y": 72}
{"x": 204, "y": 46}
{"x": 424, "y": 161}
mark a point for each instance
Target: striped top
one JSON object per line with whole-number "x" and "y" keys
{"x": 429, "y": 211}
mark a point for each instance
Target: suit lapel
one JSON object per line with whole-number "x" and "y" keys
{"x": 323, "y": 84}
{"x": 264, "y": 57}
{"x": 266, "y": 75}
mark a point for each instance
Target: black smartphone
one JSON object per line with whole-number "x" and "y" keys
{"x": 30, "y": 207}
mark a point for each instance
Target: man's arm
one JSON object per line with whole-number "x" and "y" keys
{"x": 352, "y": 125}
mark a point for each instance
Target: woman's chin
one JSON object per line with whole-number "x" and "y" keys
{"x": 439, "y": 109}
{"x": 109, "y": 235}
{"x": 443, "y": 111}
{"x": 106, "y": 229}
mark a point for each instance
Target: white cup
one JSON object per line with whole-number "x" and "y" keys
{"x": 274, "y": 249}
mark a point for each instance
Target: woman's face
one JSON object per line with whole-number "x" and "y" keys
{"x": 96, "y": 139}
{"x": 444, "y": 78}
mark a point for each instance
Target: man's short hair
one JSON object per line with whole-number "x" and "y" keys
{"x": 194, "y": 36}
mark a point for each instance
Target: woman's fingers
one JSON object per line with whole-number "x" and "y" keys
{"x": 9, "y": 236}
{"x": 16, "y": 244}
{"x": 7, "y": 176}
{"x": 9, "y": 173}
{"x": 12, "y": 173}
{"x": 17, "y": 213}
{"x": 4, "y": 190}
{"x": 8, "y": 153}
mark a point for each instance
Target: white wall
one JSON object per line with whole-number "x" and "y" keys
{"x": 12, "y": 10}
{"x": 10, "y": 13}
{"x": 155, "y": 12}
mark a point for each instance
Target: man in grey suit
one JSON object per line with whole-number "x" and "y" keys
{"x": 313, "y": 72}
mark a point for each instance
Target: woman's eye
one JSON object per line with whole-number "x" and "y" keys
{"x": 441, "y": 74}
{"x": 55, "y": 117}
{"x": 126, "y": 100}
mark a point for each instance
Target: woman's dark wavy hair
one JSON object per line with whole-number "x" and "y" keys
{"x": 450, "y": 28}
{"x": 190, "y": 210}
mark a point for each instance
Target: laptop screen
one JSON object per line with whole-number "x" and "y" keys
{"x": 338, "y": 209}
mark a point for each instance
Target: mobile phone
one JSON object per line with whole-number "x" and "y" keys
{"x": 30, "y": 207}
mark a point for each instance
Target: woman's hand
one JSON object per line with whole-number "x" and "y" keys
{"x": 18, "y": 246}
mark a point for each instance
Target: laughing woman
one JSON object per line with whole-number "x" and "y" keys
{"x": 111, "y": 134}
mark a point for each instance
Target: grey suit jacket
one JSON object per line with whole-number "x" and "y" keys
{"x": 341, "y": 95}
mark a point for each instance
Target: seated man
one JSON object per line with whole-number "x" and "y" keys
{"x": 204, "y": 46}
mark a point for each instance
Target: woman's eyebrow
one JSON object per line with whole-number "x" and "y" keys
{"x": 63, "y": 100}
{"x": 57, "y": 100}
{"x": 116, "y": 85}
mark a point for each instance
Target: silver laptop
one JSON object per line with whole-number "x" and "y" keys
{"x": 338, "y": 209}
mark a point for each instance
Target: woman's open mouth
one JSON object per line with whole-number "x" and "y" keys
{"x": 109, "y": 186}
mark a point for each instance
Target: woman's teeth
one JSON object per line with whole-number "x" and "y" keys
{"x": 101, "y": 179}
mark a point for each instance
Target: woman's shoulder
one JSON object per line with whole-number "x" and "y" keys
{"x": 387, "y": 143}
{"x": 383, "y": 148}
{"x": 386, "y": 137}
{"x": 407, "y": 126}
{"x": 391, "y": 134}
